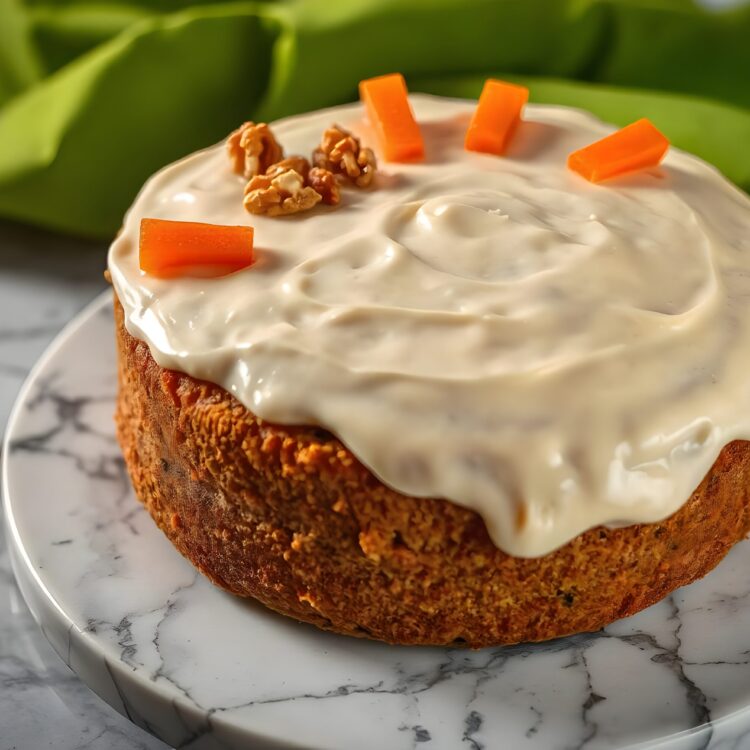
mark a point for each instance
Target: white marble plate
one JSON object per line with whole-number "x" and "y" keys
{"x": 202, "y": 669}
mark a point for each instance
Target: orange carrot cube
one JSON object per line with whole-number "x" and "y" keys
{"x": 387, "y": 103}
{"x": 168, "y": 248}
{"x": 636, "y": 146}
{"x": 496, "y": 117}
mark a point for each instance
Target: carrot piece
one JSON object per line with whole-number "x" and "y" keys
{"x": 390, "y": 114}
{"x": 168, "y": 248}
{"x": 496, "y": 117}
{"x": 637, "y": 146}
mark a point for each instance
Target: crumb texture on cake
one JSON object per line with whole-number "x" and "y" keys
{"x": 288, "y": 516}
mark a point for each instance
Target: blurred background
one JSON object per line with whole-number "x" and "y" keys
{"x": 95, "y": 96}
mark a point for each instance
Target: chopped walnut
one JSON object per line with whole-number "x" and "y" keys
{"x": 340, "y": 152}
{"x": 320, "y": 180}
{"x": 298, "y": 163}
{"x": 253, "y": 148}
{"x": 323, "y": 182}
{"x": 284, "y": 194}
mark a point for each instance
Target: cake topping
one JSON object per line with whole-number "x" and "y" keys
{"x": 387, "y": 103}
{"x": 298, "y": 163}
{"x": 341, "y": 153}
{"x": 637, "y": 146}
{"x": 281, "y": 186}
{"x": 279, "y": 195}
{"x": 498, "y": 332}
{"x": 496, "y": 117}
{"x": 172, "y": 248}
{"x": 252, "y": 149}
{"x": 324, "y": 182}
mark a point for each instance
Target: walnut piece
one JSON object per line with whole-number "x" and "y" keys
{"x": 320, "y": 180}
{"x": 253, "y": 148}
{"x": 298, "y": 163}
{"x": 284, "y": 194}
{"x": 323, "y": 182}
{"x": 341, "y": 153}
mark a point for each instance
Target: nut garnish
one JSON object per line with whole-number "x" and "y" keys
{"x": 298, "y": 163}
{"x": 284, "y": 194}
{"x": 323, "y": 182}
{"x": 279, "y": 186}
{"x": 253, "y": 149}
{"x": 340, "y": 152}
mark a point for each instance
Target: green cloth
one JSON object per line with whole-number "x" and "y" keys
{"x": 95, "y": 96}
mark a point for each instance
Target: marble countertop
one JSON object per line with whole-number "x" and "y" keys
{"x": 44, "y": 281}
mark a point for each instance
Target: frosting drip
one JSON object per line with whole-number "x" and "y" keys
{"x": 495, "y": 331}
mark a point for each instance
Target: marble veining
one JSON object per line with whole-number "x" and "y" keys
{"x": 44, "y": 281}
{"x": 201, "y": 669}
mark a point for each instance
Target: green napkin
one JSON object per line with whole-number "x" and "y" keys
{"x": 94, "y": 97}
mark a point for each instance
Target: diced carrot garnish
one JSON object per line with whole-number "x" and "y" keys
{"x": 168, "y": 248}
{"x": 390, "y": 114}
{"x": 637, "y": 146}
{"x": 496, "y": 117}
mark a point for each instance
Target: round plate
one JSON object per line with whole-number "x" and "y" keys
{"x": 202, "y": 669}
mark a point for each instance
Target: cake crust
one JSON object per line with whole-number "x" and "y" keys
{"x": 288, "y": 516}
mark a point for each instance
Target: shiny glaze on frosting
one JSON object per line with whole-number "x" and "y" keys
{"x": 495, "y": 331}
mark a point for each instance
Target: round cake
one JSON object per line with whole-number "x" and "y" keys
{"x": 480, "y": 400}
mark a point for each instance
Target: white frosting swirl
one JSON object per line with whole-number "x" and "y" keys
{"x": 496, "y": 331}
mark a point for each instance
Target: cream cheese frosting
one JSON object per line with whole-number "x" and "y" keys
{"x": 553, "y": 354}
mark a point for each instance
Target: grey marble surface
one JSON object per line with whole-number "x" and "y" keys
{"x": 44, "y": 281}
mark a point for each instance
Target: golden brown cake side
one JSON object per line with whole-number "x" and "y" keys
{"x": 287, "y": 515}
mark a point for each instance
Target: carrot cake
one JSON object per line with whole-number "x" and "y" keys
{"x": 468, "y": 399}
